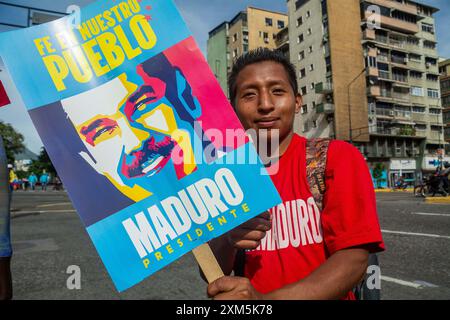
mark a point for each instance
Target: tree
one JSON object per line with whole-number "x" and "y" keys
{"x": 12, "y": 140}
{"x": 42, "y": 163}
{"x": 378, "y": 173}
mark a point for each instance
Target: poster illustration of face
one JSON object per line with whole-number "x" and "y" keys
{"x": 137, "y": 125}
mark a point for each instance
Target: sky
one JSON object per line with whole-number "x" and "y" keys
{"x": 201, "y": 16}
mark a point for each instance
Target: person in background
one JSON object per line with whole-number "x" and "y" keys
{"x": 5, "y": 237}
{"x": 44, "y": 180}
{"x": 32, "y": 180}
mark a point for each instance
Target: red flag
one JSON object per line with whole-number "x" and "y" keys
{"x": 4, "y": 100}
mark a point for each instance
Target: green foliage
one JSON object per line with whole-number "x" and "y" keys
{"x": 377, "y": 173}
{"x": 12, "y": 140}
{"x": 42, "y": 163}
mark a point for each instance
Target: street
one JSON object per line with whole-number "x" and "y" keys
{"x": 48, "y": 237}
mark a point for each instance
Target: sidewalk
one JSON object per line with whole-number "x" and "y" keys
{"x": 438, "y": 200}
{"x": 396, "y": 190}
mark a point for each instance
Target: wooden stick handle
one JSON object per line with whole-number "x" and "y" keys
{"x": 208, "y": 262}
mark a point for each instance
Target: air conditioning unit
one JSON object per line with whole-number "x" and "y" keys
{"x": 428, "y": 65}
{"x": 392, "y": 113}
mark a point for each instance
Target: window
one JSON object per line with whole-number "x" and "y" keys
{"x": 304, "y": 91}
{"x": 445, "y": 85}
{"x": 280, "y": 24}
{"x": 415, "y": 57}
{"x": 314, "y": 124}
{"x": 429, "y": 45}
{"x": 415, "y": 74}
{"x": 418, "y": 109}
{"x": 435, "y": 111}
{"x": 302, "y": 73}
{"x": 433, "y": 93}
{"x": 372, "y": 62}
{"x": 311, "y": 67}
{"x": 300, "y": 38}
{"x": 266, "y": 37}
{"x": 314, "y": 104}
{"x": 421, "y": 127}
{"x": 426, "y": 27}
{"x": 310, "y": 49}
{"x": 432, "y": 77}
{"x": 417, "y": 91}
{"x": 245, "y": 48}
{"x": 309, "y": 31}
{"x": 269, "y": 22}
{"x": 312, "y": 86}
{"x": 301, "y": 55}
{"x": 235, "y": 53}
{"x": 299, "y": 21}
{"x": 235, "y": 37}
{"x": 304, "y": 109}
{"x": 308, "y": 14}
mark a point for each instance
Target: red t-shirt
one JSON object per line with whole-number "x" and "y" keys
{"x": 302, "y": 237}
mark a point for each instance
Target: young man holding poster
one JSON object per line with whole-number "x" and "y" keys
{"x": 294, "y": 251}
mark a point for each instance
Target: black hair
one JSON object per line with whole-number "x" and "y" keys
{"x": 256, "y": 56}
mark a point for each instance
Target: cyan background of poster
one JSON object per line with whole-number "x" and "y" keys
{"x": 30, "y": 75}
{"x": 118, "y": 252}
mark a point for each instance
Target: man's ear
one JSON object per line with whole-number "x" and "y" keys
{"x": 298, "y": 102}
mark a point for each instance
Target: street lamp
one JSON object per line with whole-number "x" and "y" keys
{"x": 349, "y": 104}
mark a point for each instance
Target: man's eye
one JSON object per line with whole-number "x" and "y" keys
{"x": 140, "y": 106}
{"x": 278, "y": 91}
{"x": 248, "y": 95}
{"x": 109, "y": 129}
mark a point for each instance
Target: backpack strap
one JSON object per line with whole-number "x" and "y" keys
{"x": 316, "y": 160}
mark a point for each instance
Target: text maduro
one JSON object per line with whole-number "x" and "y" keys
{"x": 176, "y": 215}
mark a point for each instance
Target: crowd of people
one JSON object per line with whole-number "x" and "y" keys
{"x": 41, "y": 180}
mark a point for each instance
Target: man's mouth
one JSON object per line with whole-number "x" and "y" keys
{"x": 266, "y": 123}
{"x": 150, "y": 159}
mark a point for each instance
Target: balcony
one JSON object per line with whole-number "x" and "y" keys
{"x": 326, "y": 108}
{"x": 405, "y": 132}
{"x": 324, "y": 87}
{"x": 400, "y": 77}
{"x": 394, "y": 5}
{"x": 382, "y": 58}
{"x": 395, "y": 24}
{"x": 383, "y": 112}
{"x": 399, "y": 60}
{"x": 385, "y": 75}
{"x": 406, "y": 97}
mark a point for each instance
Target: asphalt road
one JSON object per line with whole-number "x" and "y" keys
{"x": 48, "y": 237}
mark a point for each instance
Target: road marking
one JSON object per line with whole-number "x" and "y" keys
{"x": 402, "y": 282}
{"x": 416, "y": 234}
{"x": 431, "y": 214}
{"x": 43, "y": 211}
{"x": 53, "y": 204}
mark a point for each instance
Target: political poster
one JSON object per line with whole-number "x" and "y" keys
{"x": 153, "y": 157}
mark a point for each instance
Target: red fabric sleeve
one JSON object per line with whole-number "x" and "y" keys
{"x": 349, "y": 216}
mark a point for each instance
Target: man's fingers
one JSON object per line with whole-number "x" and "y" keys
{"x": 257, "y": 224}
{"x": 247, "y": 244}
{"x": 243, "y": 234}
{"x": 223, "y": 284}
{"x": 265, "y": 215}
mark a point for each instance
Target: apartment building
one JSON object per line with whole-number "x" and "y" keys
{"x": 444, "y": 70}
{"x": 248, "y": 30}
{"x": 368, "y": 71}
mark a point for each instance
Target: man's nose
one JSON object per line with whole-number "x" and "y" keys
{"x": 266, "y": 103}
{"x": 132, "y": 138}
